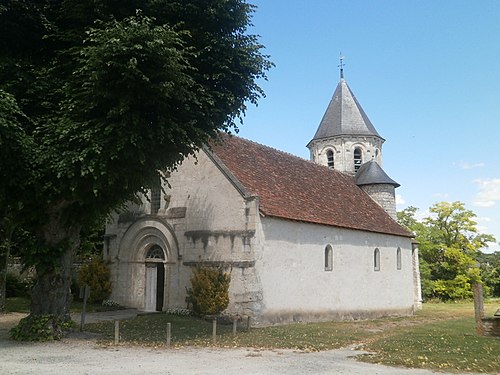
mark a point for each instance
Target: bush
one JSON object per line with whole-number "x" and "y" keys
{"x": 209, "y": 293}
{"x": 96, "y": 274}
{"x": 41, "y": 328}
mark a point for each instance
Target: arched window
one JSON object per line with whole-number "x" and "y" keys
{"x": 155, "y": 252}
{"x": 329, "y": 159}
{"x": 358, "y": 158}
{"x": 398, "y": 258}
{"x": 328, "y": 258}
{"x": 376, "y": 260}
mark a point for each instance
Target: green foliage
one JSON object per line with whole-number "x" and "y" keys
{"x": 41, "y": 328}
{"x": 209, "y": 293}
{"x": 96, "y": 274}
{"x": 449, "y": 249}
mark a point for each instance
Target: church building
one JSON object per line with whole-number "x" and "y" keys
{"x": 303, "y": 240}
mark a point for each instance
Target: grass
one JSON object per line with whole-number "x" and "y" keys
{"x": 440, "y": 337}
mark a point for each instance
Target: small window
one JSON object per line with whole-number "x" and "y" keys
{"x": 398, "y": 258}
{"x": 328, "y": 258}
{"x": 156, "y": 197}
{"x": 358, "y": 158}
{"x": 329, "y": 159}
{"x": 376, "y": 260}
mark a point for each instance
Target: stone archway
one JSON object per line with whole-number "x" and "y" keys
{"x": 145, "y": 265}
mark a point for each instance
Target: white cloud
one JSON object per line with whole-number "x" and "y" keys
{"x": 399, "y": 200}
{"x": 466, "y": 165}
{"x": 489, "y": 192}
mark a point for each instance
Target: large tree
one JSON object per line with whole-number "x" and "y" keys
{"x": 114, "y": 91}
{"x": 449, "y": 248}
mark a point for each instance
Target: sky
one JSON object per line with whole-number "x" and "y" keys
{"x": 427, "y": 74}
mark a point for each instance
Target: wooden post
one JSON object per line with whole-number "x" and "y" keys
{"x": 117, "y": 332}
{"x": 85, "y": 292}
{"x": 169, "y": 333}
{"x": 477, "y": 289}
{"x": 248, "y": 323}
{"x": 235, "y": 324}
{"x": 214, "y": 331}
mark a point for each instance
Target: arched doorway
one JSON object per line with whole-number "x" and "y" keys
{"x": 155, "y": 279}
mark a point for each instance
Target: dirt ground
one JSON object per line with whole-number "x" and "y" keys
{"x": 79, "y": 354}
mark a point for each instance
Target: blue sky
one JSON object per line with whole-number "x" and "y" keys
{"x": 427, "y": 73}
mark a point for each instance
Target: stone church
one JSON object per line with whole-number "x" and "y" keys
{"x": 303, "y": 240}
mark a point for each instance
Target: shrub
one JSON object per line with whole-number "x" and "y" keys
{"x": 96, "y": 274}
{"x": 209, "y": 293}
{"x": 41, "y": 328}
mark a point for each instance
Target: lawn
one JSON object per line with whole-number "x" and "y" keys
{"x": 440, "y": 337}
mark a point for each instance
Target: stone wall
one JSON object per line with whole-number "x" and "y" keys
{"x": 491, "y": 327}
{"x": 384, "y": 195}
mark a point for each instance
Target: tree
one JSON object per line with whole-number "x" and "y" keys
{"x": 14, "y": 178}
{"x": 449, "y": 247}
{"x": 114, "y": 92}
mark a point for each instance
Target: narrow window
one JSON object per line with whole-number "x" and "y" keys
{"x": 376, "y": 260}
{"x": 328, "y": 258}
{"x": 329, "y": 159}
{"x": 156, "y": 197}
{"x": 357, "y": 159}
{"x": 398, "y": 258}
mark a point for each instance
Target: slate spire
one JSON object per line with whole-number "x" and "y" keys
{"x": 344, "y": 115}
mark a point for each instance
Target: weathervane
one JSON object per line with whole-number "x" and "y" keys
{"x": 341, "y": 66}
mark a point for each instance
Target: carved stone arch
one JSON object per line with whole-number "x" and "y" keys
{"x": 145, "y": 233}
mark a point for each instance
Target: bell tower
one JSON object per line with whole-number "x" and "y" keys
{"x": 347, "y": 141}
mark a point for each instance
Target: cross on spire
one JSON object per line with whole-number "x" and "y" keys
{"x": 341, "y": 66}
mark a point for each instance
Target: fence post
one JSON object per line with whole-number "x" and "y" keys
{"x": 235, "y": 323}
{"x": 84, "y": 292}
{"x": 169, "y": 333}
{"x": 214, "y": 330}
{"x": 477, "y": 289}
{"x": 117, "y": 332}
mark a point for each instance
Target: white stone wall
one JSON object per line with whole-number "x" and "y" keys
{"x": 296, "y": 286}
{"x": 203, "y": 219}
{"x": 343, "y": 151}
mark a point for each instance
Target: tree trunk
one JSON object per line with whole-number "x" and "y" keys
{"x": 51, "y": 294}
{"x": 52, "y": 291}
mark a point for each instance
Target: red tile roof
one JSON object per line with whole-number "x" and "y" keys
{"x": 292, "y": 188}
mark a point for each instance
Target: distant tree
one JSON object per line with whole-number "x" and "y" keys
{"x": 112, "y": 93}
{"x": 449, "y": 247}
